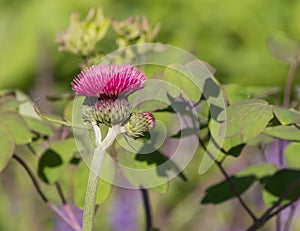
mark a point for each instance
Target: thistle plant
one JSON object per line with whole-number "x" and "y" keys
{"x": 110, "y": 85}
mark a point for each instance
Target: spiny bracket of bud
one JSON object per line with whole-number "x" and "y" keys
{"x": 111, "y": 112}
{"x": 139, "y": 124}
{"x": 82, "y": 37}
{"x": 107, "y": 111}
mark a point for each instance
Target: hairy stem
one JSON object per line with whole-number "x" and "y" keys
{"x": 96, "y": 165}
{"x": 147, "y": 208}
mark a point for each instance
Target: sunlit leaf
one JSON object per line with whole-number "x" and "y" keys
{"x": 8, "y": 104}
{"x": 232, "y": 145}
{"x": 247, "y": 118}
{"x": 68, "y": 111}
{"x": 283, "y": 132}
{"x": 80, "y": 182}
{"x": 286, "y": 116}
{"x": 292, "y": 155}
{"x": 26, "y": 106}
{"x": 182, "y": 82}
{"x": 236, "y": 93}
{"x": 6, "y": 146}
{"x": 17, "y": 127}
{"x": 54, "y": 161}
{"x": 157, "y": 174}
{"x": 38, "y": 126}
{"x": 258, "y": 170}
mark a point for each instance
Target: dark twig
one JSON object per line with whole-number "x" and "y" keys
{"x": 60, "y": 193}
{"x": 232, "y": 186}
{"x": 270, "y": 212}
{"x": 34, "y": 180}
{"x": 147, "y": 208}
{"x": 42, "y": 195}
{"x": 67, "y": 208}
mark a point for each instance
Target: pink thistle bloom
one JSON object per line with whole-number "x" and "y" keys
{"x": 109, "y": 81}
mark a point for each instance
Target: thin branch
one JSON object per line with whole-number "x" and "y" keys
{"x": 60, "y": 193}
{"x": 42, "y": 195}
{"x": 34, "y": 180}
{"x": 289, "y": 83}
{"x": 269, "y": 213}
{"x": 232, "y": 186}
{"x": 63, "y": 217}
{"x": 147, "y": 208}
{"x": 67, "y": 208}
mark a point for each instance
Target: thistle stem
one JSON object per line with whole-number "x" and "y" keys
{"x": 96, "y": 165}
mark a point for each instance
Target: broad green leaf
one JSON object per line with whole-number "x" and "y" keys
{"x": 9, "y": 103}
{"x": 156, "y": 176}
{"x": 258, "y": 170}
{"x": 26, "y": 105}
{"x": 80, "y": 182}
{"x": 222, "y": 191}
{"x": 68, "y": 111}
{"x": 247, "y": 118}
{"x": 284, "y": 182}
{"x": 233, "y": 145}
{"x": 283, "y": 132}
{"x": 7, "y": 146}
{"x": 269, "y": 199}
{"x": 38, "y": 126}
{"x": 186, "y": 132}
{"x": 286, "y": 116}
{"x": 292, "y": 155}
{"x": 17, "y": 127}
{"x": 236, "y": 93}
{"x": 54, "y": 161}
{"x": 283, "y": 48}
{"x": 181, "y": 82}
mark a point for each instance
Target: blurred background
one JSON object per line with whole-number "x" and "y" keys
{"x": 230, "y": 35}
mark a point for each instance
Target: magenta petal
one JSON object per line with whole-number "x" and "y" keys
{"x": 109, "y": 81}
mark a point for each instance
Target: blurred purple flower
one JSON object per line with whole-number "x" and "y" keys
{"x": 60, "y": 225}
{"x": 124, "y": 210}
{"x": 275, "y": 152}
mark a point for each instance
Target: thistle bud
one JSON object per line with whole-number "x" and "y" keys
{"x": 139, "y": 124}
{"x": 111, "y": 112}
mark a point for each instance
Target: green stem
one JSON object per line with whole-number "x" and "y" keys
{"x": 96, "y": 165}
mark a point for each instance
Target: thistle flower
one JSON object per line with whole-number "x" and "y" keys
{"x": 109, "y": 81}
{"x": 107, "y": 88}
